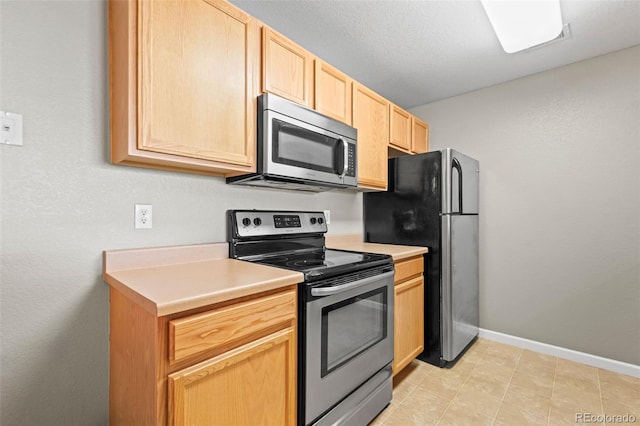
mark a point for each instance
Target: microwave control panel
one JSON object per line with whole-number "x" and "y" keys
{"x": 351, "y": 160}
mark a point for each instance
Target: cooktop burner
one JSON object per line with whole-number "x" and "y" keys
{"x": 306, "y": 263}
{"x": 324, "y": 263}
{"x": 316, "y": 260}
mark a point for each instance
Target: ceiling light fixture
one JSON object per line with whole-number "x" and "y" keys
{"x": 521, "y": 24}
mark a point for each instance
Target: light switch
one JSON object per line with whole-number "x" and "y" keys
{"x": 11, "y": 128}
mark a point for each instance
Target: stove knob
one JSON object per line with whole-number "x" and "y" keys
{"x": 313, "y": 221}
{"x": 246, "y": 221}
{"x": 320, "y": 220}
{"x": 257, "y": 221}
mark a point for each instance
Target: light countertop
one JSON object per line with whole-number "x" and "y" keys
{"x": 354, "y": 242}
{"x": 167, "y": 280}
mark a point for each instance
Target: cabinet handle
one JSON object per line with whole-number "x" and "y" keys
{"x": 331, "y": 290}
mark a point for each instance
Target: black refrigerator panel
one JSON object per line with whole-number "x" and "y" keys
{"x": 409, "y": 214}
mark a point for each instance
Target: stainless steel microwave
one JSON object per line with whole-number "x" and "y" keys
{"x": 299, "y": 148}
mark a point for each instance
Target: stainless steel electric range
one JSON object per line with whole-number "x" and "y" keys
{"x": 345, "y": 313}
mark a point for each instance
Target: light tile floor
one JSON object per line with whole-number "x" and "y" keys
{"x": 497, "y": 384}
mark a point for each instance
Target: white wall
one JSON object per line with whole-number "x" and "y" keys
{"x": 559, "y": 155}
{"x": 63, "y": 204}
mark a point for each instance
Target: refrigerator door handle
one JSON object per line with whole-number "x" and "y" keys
{"x": 455, "y": 165}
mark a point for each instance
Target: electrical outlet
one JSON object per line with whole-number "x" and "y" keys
{"x": 10, "y": 128}
{"x": 327, "y": 216}
{"x": 143, "y": 216}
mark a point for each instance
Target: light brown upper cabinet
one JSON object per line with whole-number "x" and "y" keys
{"x": 407, "y": 133}
{"x": 371, "y": 118}
{"x": 287, "y": 69}
{"x": 399, "y": 128}
{"x": 420, "y": 133}
{"x": 333, "y": 92}
{"x": 184, "y": 81}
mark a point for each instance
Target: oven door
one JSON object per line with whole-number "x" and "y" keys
{"x": 348, "y": 339}
{"x": 296, "y": 149}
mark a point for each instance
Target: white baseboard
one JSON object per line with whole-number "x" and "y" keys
{"x": 559, "y": 352}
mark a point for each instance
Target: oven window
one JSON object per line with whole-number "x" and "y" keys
{"x": 351, "y": 326}
{"x": 300, "y": 147}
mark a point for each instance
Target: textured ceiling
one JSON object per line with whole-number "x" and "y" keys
{"x": 416, "y": 52}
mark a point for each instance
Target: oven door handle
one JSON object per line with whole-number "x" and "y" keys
{"x": 331, "y": 290}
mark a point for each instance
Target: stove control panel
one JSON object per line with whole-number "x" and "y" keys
{"x": 256, "y": 223}
{"x": 288, "y": 220}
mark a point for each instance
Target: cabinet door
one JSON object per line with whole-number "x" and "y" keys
{"x": 253, "y": 384}
{"x": 287, "y": 69}
{"x": 371, "y": 118}
{"x": 408, "y": 316}
{"x": 399, "y": 128}
{"x": 195, "y": 88}
{"x": 420, "y": 139}
{"x": 333, "y": 92}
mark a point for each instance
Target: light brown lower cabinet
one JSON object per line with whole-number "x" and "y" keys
{"x": 408, "y": 312}
{"x": 245, "y": 386}
{"x": 233, "y": 363}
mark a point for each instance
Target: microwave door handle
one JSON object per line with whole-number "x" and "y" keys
{"x": 345, "y": 157}
{"x": 331, "y": 290}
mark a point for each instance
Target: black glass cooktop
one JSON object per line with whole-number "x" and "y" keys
{"x": 323, "y": 264}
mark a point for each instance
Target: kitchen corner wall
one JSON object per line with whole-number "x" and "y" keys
{"x": 62, "y": 204}
{"x": 559, "y": 157}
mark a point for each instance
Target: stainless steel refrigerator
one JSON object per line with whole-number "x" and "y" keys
{"x": 432, "y": 201}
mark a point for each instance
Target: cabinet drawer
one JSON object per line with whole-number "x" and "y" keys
{"x": 230, "y": 325}
{"x": 408, "y": 268}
